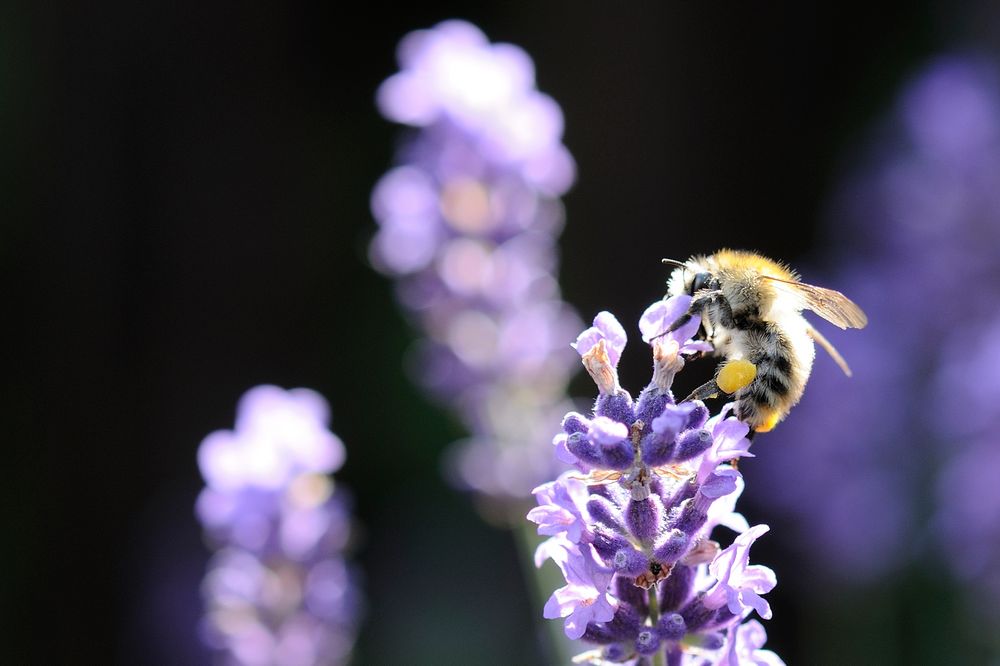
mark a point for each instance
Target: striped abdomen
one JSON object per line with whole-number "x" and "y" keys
{"x": 783, "y": 357}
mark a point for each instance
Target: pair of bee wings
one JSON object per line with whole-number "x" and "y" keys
{"x": 831, "y": 305}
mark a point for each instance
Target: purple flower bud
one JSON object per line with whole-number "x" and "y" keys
{"x": 713, "y": 641}
{"x": 643, "y": 518}
{"x": 651, "y": 403}
{"x": 656, "y": 449}
{"x": 631, "y": 596}
{"x": 692, "y": 516}
{"x": 683, "y": 492}
{"x": 671, "y": 627}
{"x": 615, "y": 653}
{"x": 625, "y": 623}
{"x": 617, "y": 456}
{"x": 696, "y": 615}
{"x": 692, "y": 443}
{"x": 613, "y": 445}
{"x": 585, "y": 449}
{"x": 574, "y": 422}
{"x": 598, "y": 632}
{"x": 647, "y": 642}
{"x": 617, "y": 407}
{"x": 629, "y": 562}
{"x": 676, "y": 589}
{"x": 603, "y": 512}
{"x": 698, "y": 416}
{"x": 655, "y": 486}
{"x": 672, "y": 547}
{"x": 608, "y": 543}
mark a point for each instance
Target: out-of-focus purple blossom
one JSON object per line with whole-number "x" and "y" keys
{"x": 630, "y": 527}
{"x": 919, "y": 418}
{"x": 278, "y": 591}
{"x": 468, "y": 221}
{"x": 967, "y": 519}
{"x": 453, "y": 74}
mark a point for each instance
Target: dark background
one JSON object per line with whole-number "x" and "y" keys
{"x": 186, "y": 189}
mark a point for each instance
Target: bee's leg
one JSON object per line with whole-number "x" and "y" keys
{"x": 709, "y": 389}
{"x": 683, "y": 319}
{"x": 697, "y": 305}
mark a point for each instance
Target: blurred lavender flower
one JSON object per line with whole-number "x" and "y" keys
{"x": 278, "y": 591}
{"x": 467, "y": 224}
{"x": 923, "y": 219}
{"x": 630, "y": 528}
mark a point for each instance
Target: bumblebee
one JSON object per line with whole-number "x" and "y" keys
{"x": 751, "y": 312}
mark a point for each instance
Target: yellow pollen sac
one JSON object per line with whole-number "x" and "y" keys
{"x": 736, "y": 374}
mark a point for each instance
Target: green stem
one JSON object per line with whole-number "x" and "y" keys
{"x": 654, "y": 616}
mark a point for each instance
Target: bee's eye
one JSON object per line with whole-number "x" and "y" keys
{"x": 699, "y": 282}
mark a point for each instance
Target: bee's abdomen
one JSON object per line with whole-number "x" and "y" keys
{"x": 765, "y": 400}
{"x": 770, "y": 387}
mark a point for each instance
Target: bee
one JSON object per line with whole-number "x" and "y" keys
{"x": 751, "y": 310}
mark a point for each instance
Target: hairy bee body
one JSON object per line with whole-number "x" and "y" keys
{"x": 751, "y": 309}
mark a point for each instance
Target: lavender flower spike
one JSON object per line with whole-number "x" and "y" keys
{"x": 278, "y": 590}
{"x": 630, "y": 527}
{"x": 468, "y": 222}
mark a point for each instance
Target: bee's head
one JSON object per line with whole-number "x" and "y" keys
{"x": 688, "y": 278}
{"x": 698, "y": 282}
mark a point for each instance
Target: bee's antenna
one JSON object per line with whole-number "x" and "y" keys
{"x": 674, "y": 262}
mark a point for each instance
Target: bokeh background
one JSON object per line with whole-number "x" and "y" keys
{"x": 187, "y": 214}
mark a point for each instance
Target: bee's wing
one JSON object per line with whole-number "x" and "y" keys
{"x": 827, "y": 303}
{"x": 830, "y": 349}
